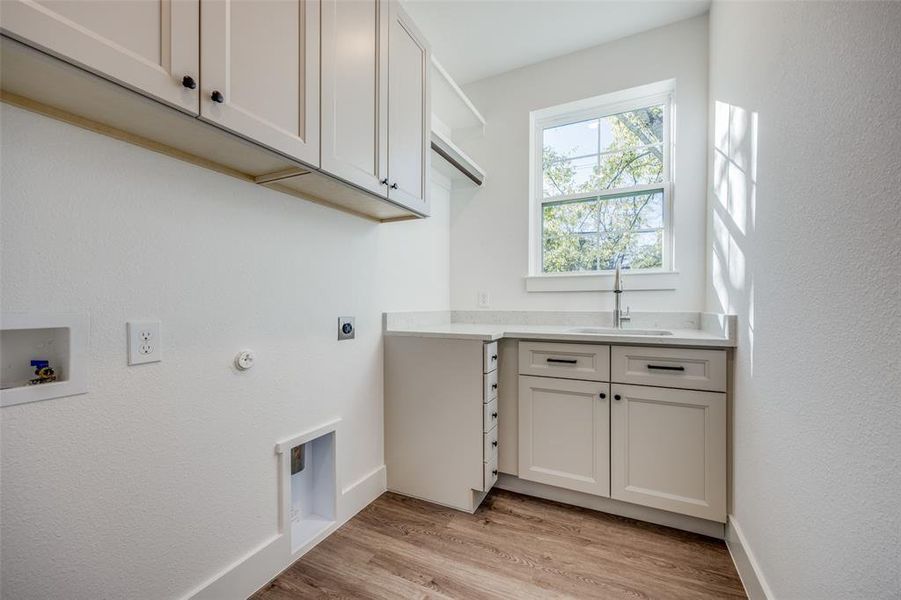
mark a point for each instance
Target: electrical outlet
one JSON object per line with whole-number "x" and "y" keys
{"x": 346, "y": 330}
{"x": 144, "y": 342}
{"x": 483, "y": 299}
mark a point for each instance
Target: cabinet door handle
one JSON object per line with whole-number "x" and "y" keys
{"x": 617, "y": 397}
{"x": 666, "y": 368}
{"x": 494, "y": 386}
{"x": 494, "y": 443}
{"x": 393, "y": 186}
{"x": 602, "y": 395}
{"x": 494, "y": 472}
{"x": 384, "y": 182}
{"x": 217, "y": 96}
{"x": 189, "y": 82}
{"x": 494, "y": 415}
{"x": 566, "y": 361}
{"x": 494, "y": 357}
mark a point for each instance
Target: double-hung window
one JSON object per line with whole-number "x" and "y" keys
{"x": 601, "y": 191}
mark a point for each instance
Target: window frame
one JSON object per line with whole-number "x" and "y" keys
{"x": 594, "y": 108}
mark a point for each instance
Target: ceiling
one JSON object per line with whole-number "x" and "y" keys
{"x": 474, "y": 39}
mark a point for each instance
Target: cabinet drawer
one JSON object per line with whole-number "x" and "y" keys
{"x": 670, "y": 367}
{"x": 490, "y": 473}
{"x": 490, "y": 357}
{"x": 490, "y": 381}
{"x": 566, "y": 361}
{"x": 490, "y": 445}
{"x": 489, "y": 420}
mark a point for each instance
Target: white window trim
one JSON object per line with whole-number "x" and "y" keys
{"x": 665, "y": 278}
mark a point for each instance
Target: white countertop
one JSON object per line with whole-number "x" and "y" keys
{"x": 716, "y": 333}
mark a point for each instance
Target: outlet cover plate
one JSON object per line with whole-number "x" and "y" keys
{"x": 144, "y": 342}
{"x": 346, "y": 328}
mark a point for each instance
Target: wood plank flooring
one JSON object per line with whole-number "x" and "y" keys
{"x": 514, "y": 546}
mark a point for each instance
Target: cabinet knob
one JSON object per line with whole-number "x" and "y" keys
{"x": 189, "y": 82}
{"x": 617, "y": 397}
{"x": 494, "y": 386}
{"x": 602, "y": 395}
{"x": 384, "y": 182}
{"x": 494, "y": 443}
{"x": 494, "y": 357}
{"x": 393, "y": 186}
{"x": 217, "y": 96}
{"x": 494, "y": 415}
{"x": 494, "y": 472}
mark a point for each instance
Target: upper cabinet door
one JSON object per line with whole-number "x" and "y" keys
{"x": 409, "y": 114}
{"x": 151, "y": 46}
{"x": 260, "y": 62}
{"x": 355, "y": 92}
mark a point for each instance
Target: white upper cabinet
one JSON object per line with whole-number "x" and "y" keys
{"x": 355, "y": 92}
{"x": 260, "y": 63}
{"x": 151, "y": 46}
{"x": 409, "y": 114}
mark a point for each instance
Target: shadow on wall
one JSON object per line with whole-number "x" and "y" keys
{"x": 733, "y": 213}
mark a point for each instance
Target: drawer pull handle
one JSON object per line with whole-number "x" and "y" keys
{"x": 494, "y": 386}
{"x": 494, "y": 415}
{"x": 666, "y": 368}
{"x": 494, "y": 443}
{"x": 566, "y": 361}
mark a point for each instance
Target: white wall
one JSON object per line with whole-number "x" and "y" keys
{"x": 489, "y": 228}
{"x": 164, "y": 474}
{"x": 805, "y": 248}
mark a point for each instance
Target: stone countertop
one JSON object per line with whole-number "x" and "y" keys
{"x": 711, "y": 331}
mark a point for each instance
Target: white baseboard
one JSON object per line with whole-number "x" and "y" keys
{"x": 745, "y": 563}
{"x": 262, "y": 565}
{"x": 362, "y": 492}
{"x": 609, "y": 505}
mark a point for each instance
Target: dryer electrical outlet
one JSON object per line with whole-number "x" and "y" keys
{"x": 144, "y": 342}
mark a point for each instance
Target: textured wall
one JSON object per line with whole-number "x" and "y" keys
{"x": 805, "y": 232}
{"x": 490, "y": 227}
{"x": 164, "y": 474}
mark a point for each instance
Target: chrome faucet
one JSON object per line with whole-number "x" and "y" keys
{"x": 618, "y": 317}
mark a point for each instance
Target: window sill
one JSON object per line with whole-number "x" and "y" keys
{"x": 603, "y": 282}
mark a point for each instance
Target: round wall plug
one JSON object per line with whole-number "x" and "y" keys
{"x": 244, "y": 360}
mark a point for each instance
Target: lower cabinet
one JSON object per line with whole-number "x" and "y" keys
{"x": 668, "y": 449}
{"x": 564, "y": 433}
{"x": 441, "y": 415}
{"x": 662, "y": 446}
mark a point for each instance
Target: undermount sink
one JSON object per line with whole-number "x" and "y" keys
{"x": 612, "y": 331}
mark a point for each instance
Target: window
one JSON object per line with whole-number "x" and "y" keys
{"x": 601, "y": 183}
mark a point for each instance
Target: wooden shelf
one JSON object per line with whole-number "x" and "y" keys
{"x": 452, "y": 107}
{"x": 452, "y": 162}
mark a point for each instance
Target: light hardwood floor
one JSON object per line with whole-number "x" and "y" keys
{"x": 514, "y": 546}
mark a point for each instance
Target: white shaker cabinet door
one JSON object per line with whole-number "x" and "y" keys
{"x": 564, "y": 433}
{"x": 669, "y": 449}
{"x": 150, "y": 46}
{"x": 260, "y": 61}
{"x": 355, "y": 92}
{"x": 409, "y": 114}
